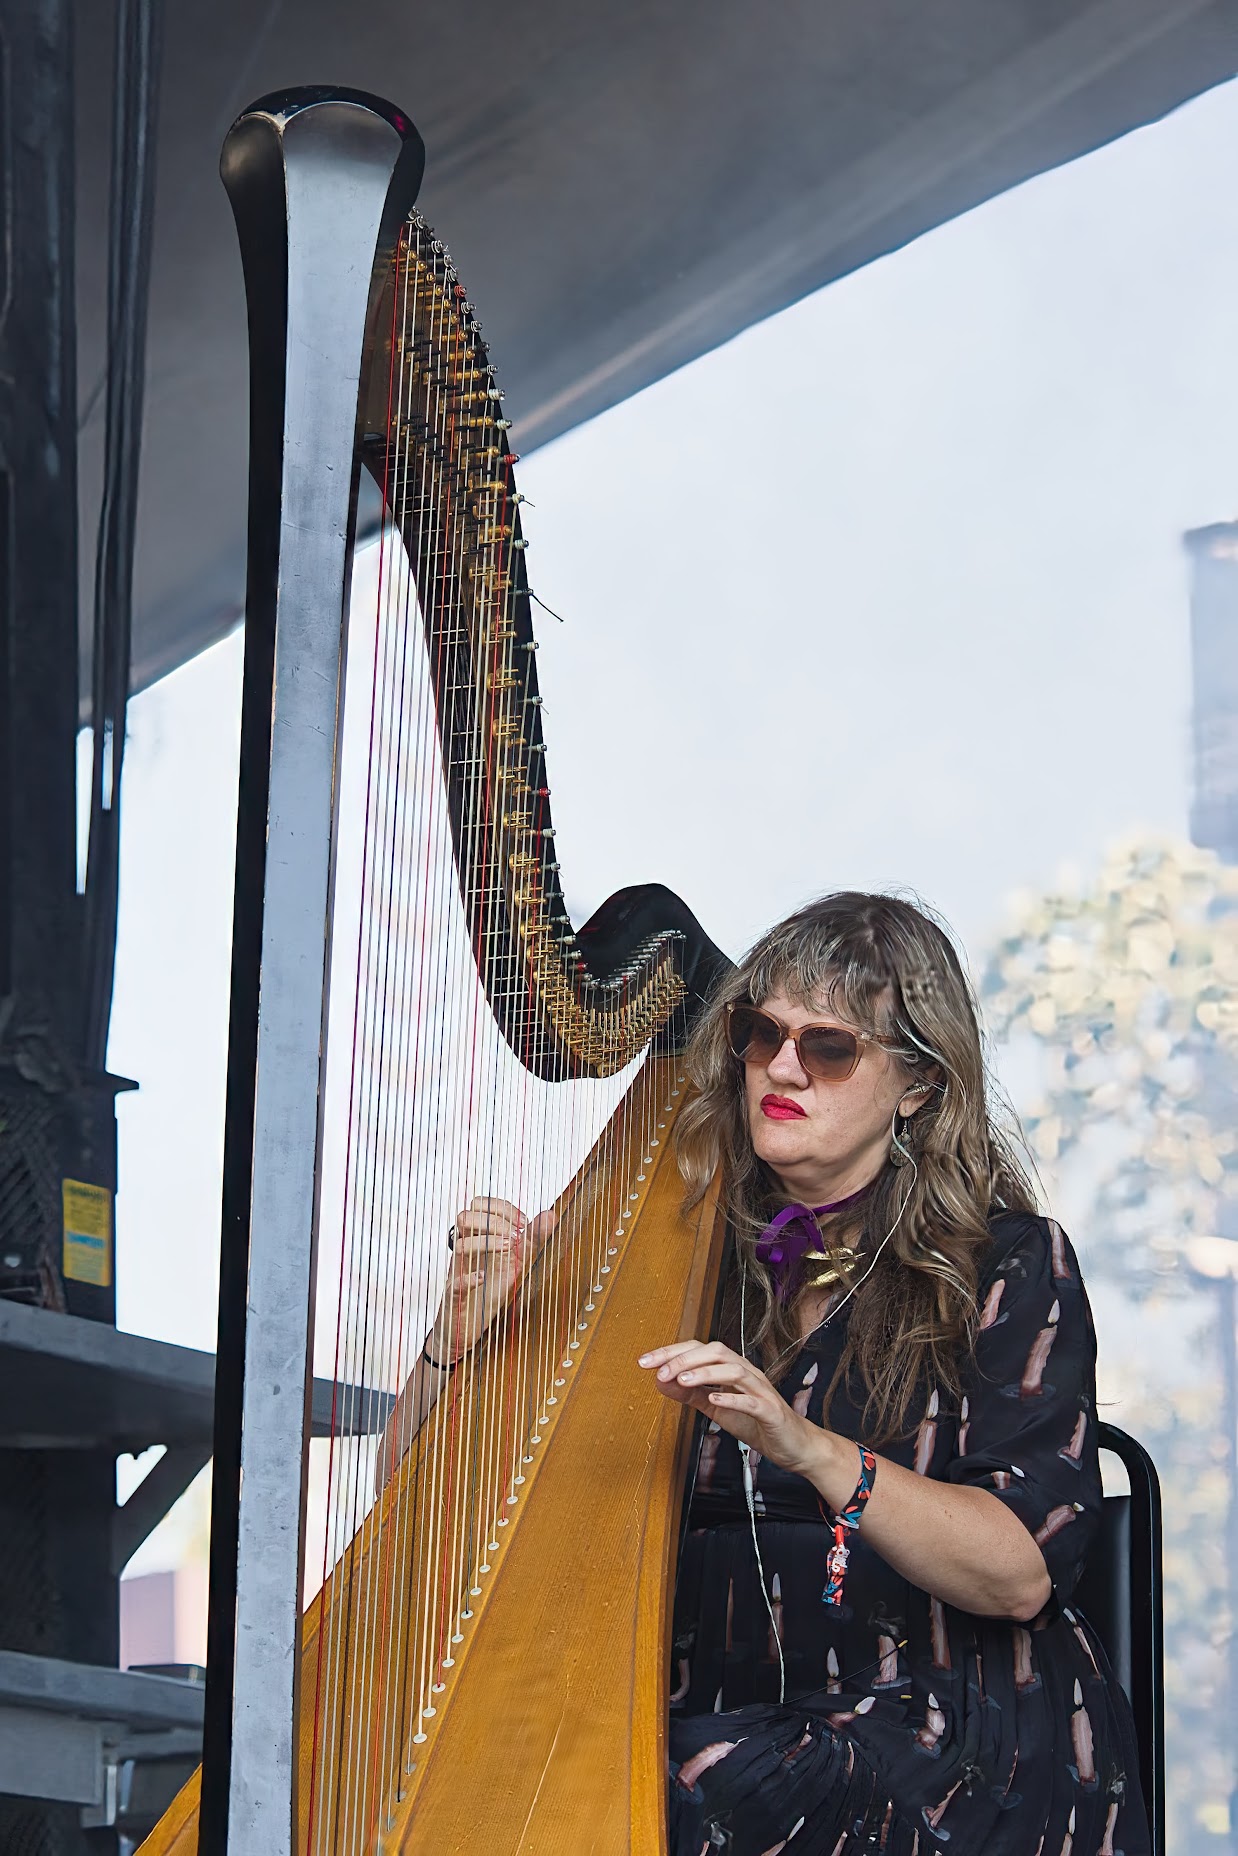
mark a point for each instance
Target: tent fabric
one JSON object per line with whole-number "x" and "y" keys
{"x": 622, "y": 186}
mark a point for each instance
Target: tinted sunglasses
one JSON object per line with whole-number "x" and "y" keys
{"x": 830, "y": 1052}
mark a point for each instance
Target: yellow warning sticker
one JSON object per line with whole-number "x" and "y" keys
{"x": 87, "y": 1233}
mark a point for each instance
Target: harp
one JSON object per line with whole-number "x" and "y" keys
{"x": 415, "y": 1021}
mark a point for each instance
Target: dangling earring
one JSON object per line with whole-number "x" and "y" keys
{"x": 900, "y": 1154}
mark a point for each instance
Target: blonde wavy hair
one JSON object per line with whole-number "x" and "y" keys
{"x": 887, "y": 967}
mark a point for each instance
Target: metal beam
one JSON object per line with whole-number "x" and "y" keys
{"x": 848, "y": 208}
{"x": 44, "y": 1755}
{"x": 66, "y": 1728}
{"x": 89, "y": 1692}
{"x": 40, "y": 929}
{"x": 67, "y": 1383}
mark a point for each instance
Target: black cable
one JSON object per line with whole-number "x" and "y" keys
{"x": 131, "y": 215}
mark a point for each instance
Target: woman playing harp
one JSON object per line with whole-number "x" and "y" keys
{"x": 897, "y": 1476}
{"x": 380, "y": 1718}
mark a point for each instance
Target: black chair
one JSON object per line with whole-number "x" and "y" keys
{"x": 1120, "y": 1594}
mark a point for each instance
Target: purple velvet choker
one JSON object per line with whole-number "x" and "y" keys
{"x": 789, "y": 1237}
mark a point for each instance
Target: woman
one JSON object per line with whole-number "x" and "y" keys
{"x": 897, "y": 1478}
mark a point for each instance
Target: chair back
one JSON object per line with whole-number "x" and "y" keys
{"x": 1120, "y": 1594}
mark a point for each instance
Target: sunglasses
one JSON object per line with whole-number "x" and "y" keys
{"x": 830, "y": 1052}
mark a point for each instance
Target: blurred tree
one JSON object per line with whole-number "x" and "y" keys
{"x": 1120, "y": 1003}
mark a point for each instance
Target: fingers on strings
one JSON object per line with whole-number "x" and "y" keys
{"x": 493, "y": 1223}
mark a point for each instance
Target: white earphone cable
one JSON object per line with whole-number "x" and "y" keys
{"x": 744, "y": 1448}
{"x": 750, "y": 1498}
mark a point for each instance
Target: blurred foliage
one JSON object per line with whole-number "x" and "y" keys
{"x": 1130, "y": 990}
{"x": 1125, "y": 996}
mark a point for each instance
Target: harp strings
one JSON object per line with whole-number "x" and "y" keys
{"x": 398, "y": 614}
{"x": 344, "y": 1475}
{"x": 429, "y": 1108}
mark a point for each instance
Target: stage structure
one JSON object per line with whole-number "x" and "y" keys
{"x": 66, "y": 1713}
{"x": 625, "y": 187}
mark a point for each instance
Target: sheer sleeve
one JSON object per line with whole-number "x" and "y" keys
{"x": 1027, "y": 1431}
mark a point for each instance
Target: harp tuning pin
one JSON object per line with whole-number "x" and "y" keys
{"x": 503, "y": 425}
{"x": 495, "y": 393}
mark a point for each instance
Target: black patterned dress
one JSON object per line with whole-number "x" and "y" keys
{"x": 909, "y": 1726}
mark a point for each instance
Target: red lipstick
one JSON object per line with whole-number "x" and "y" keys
{"x": 778, "y": 1108}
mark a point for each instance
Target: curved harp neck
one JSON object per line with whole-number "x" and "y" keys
{"x": 436, "y": 443}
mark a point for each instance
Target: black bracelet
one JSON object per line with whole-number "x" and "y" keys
{"x": 438, "y": 1366}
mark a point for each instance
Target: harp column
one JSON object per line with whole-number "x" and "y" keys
{"x": 318, "y": 184}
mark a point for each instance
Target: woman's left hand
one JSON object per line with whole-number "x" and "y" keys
{"x": 716, "y": 1380}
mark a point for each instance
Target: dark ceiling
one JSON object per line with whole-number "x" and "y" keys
{"x": 623, "y": 186}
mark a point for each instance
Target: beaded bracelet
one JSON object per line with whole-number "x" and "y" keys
{"x": 846, "y": 1521}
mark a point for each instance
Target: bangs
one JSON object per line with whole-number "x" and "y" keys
{"x": 820, "y": 968}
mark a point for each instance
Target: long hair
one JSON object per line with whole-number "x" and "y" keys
{"x": 888, "y": 968}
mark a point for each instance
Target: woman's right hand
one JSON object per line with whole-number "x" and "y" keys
{"x": 494, "y": 1241}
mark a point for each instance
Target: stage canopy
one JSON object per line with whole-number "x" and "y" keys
{"x": 623, "y": 186}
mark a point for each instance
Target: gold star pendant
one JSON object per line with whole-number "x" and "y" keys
{"x": 830, "y": 1269}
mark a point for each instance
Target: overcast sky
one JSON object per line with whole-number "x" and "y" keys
{"x": 888, "y": 590}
